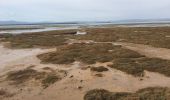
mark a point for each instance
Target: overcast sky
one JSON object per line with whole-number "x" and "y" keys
{"x": 83, "y": 10}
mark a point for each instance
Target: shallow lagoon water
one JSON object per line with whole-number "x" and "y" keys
{"x": 24, "y": 29}
{"x": 19, "y": 29}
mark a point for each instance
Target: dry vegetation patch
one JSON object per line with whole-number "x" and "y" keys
{"x": 99, "y": 69}
{"x": 26, "y": 75}
{"x": 137, "y": 66}
{"x": 5, "y": 93}
{"x": 155, "y": 93}
{"x": 98, "y": 35}
{"x": 50, "y": 79}
{"x": 21, "y": 76}
{"x": 42, "y": 39}
{"x": 87, "y": 53}
{"x": 125, "y": 60}
{"x": 155, "y": 36}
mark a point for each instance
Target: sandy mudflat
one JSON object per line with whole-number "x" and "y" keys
{"x": 147, "y": 50}
{"x": 10, "y": 58}
{"x": 68, "y": 87}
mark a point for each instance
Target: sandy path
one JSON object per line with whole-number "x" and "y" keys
{"x": 147, "y": 50}
{"x": 11, "y": 58}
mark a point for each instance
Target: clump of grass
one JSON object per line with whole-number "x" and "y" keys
{"x": 46, "y": 68}
{"x": 154, "y": 93}
{"x": 4, "y": 93}
{"x": 101, "y": 94}
{"x": 87, "y": 53}
{"x": 50, "y": 79}
{"x": 137, "y": 66}
{"x": 129, "y": 66}
{"x": 46, "y": 78}
{"x": 99, "y": 69}
{"x": 22, "y": 76}
{"x": 99, "y": 75}
{"x": 97, "y": 94}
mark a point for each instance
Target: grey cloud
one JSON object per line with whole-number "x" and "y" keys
{"x": 70, "y": 10}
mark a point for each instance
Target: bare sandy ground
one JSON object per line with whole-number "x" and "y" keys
{"x": 74, "y": 88}
{"x": 11, "y": 58}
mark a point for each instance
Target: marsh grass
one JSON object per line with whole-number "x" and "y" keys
{"x": 152, "y": 93}
{"x": 154, "y": 36}
{"x": 22, "y": 76}
{"x": 98, "y": 35}
{"x": 137, "y": 66}
{"x": 45, "y": 78}
{"x": 42, "y": 39}
{"x": 101, "y": 94}
{"x": 87, "y": 53}
{"x": 123, "y": 59}
{"x": 50, "y": 79}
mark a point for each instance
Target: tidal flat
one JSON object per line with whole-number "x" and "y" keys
{"x": 106, "y": 63}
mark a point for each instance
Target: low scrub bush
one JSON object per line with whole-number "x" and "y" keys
{"x": 153, "y": 93}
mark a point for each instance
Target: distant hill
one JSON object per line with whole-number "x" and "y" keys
{"x": 39, "y": 23}
{"x": 133, "y": 21}
{"x": 12, "y": 23}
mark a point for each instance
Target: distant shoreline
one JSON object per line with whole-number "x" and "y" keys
{"x": 92, "y": 23}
